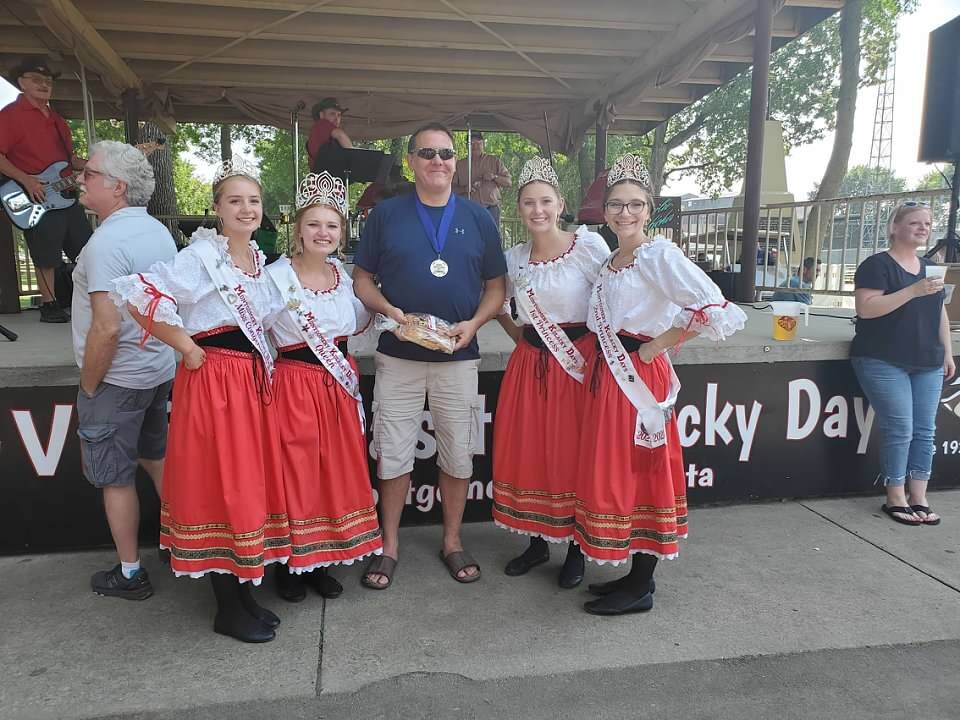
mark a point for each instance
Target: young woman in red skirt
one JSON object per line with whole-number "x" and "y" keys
{"x": 538, "y": 422}
{"x": 223, "y": 511}
{"x": 330, "y": 505}
{"x": 649, "y": 297}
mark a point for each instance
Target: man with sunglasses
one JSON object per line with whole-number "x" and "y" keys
{"x": 434, "y": 253}
{"x": 33, "y": 137}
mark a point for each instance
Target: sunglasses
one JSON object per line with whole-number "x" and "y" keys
{"x": 915, "y": 203}
{"x": 431, "y": 153}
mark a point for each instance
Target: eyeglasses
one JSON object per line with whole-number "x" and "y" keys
{"x": 38, "y": 79}
{"x": 87, "y": 172}
{"x": 616, "y": 207}
{"x": 431, "y": 153}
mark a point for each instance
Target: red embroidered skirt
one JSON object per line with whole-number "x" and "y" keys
{"x": 630, "y": 499}
{"x": 536, "y": 443}
{"x": 223, "y": 507}
{"x": 333, "y": 516}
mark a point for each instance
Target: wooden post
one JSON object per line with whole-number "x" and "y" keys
{"x": 131, "y": 116}
{"x": 600, "y": 155}
{"x": 746, "y": 283}
{"x": 9, "y": 280}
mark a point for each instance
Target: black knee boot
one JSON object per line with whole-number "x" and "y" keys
{"x": 572, "y": 573}
{"x": 250, "y": 605}
{"x": 536, "y": 554}
{"x": 232, "y": 618}
{"x": 634, "y": 593}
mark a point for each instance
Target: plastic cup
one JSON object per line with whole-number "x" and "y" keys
{"x": 937, "y": 271}
{"x": 948, "y": 293}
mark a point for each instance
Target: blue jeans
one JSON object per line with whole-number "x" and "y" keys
{"x": 905, "y": 403}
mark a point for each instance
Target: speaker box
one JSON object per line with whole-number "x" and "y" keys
{"x": 940, "y": 131}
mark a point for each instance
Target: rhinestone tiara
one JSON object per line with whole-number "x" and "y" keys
{"x": 538, "y": 169}
{"x": 236, "y": 166}
{"x": 629, "y": 167}
{"x": 322, "y": 189}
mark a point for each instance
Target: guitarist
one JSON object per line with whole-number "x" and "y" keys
{"x": 32, "y": 137}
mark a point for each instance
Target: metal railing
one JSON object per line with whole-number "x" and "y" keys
{"x": 840, "y": 233}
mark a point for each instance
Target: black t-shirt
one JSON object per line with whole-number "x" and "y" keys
{"x": 910, "y": 335}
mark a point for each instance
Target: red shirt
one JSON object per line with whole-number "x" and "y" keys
{"x": 319, "y": 135}
{"x": 32, "y": 140}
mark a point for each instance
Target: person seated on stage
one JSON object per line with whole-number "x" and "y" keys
{"x": 396, "y": 184}
{"x": 802, "y": 280}
{"x": 33, "y": 137}
{"x": 326, "y": 135}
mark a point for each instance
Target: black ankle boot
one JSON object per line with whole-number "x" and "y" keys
{"x": 232, "y": 619}
{"x": 324, "y": 583}
{"x": 250, "y": 605}
{"x": 605, "y": 588}
{"x": 290, "y": 586}
{"x": 572, "y": 573}
{"x": 537, "y": 553}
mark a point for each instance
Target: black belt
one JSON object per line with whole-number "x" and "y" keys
{"x": 305, "y": 354}
{"x": 629, "y": 342}
{"x": 573, "y": 332}
{"x": 230, "y": 340}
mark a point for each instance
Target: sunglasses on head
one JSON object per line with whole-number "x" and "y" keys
{"x": 431, "y": 153}
{"x": 915, "y": 203}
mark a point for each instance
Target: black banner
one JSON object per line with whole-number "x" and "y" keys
{"x": 752, "y": 431}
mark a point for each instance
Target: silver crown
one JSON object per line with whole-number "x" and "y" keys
{"x": 538, "y": 169}
{"x": 236, "y": 166}
{"x": 322, "y": 189}
{"x": 629, "y": 167}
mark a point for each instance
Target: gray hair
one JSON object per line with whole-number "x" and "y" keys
{"x": 128, "y": 165}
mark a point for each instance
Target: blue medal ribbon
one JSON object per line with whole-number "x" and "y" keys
{"x": 437, "y": 236}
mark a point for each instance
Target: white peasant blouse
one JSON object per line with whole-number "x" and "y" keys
{"x": 181, "y": 292}
{"x": 563, "y": 284}
{"x": 663, "y": 289}
{"x": 338, "y": 311}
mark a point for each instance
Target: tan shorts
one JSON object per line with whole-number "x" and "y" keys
{"x": 398, "y": 414}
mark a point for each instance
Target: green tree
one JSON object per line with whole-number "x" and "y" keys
{"x": 936, "y": 180}
{"x": 863, "y": 180}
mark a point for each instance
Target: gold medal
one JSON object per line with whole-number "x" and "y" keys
{"x": 439, "y": 268}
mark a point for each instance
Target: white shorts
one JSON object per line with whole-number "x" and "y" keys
{"x": 398, "y": 404}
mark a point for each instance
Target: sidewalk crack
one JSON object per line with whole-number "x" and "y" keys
{"x": 318, "y": 687}
{"x": 881, "y": 548}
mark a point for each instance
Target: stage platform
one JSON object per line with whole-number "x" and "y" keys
{"x": 43, "y": 356}
{"x": 757, "y": 419}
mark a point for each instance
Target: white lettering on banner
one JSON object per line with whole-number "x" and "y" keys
{"x": 864, "y": 423}
{"x": 427, "y": 444}
{"x": 699, "y": 477}
{"x": 837, "y": 423}
{"x": 715, "y": 423}
{"x": 45, "y": 461}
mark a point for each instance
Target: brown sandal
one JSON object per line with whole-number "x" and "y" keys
{"x": 460, "y": 560}
{"x": 379, "y": 565}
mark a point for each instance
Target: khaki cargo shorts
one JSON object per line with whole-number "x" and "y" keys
{"x": 398, "y": 404}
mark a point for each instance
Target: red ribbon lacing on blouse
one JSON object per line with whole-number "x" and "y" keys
{"x": 700, "y": 317}
{"x": 156, "y": 296}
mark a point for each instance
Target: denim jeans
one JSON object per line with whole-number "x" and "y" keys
{"x": 905, "y": 402}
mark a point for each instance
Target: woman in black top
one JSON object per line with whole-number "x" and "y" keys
{"x": 901, "y": 354}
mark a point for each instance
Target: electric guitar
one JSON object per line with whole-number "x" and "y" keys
{"x": 25, "y": 213}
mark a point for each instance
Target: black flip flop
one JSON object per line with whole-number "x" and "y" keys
{"x": 926, "y": 510}
{"x": 891, "y": 509}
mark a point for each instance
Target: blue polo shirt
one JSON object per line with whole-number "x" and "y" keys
{"x": 395, "y": 248}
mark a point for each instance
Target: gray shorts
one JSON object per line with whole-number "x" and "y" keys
{"x": 119, "y": 426}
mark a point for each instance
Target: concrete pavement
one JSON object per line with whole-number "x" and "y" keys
{"x": 797, "y": 609}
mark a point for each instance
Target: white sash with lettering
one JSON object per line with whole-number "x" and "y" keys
{"x": 326, "y": 351}
{"x": 652, "y": 416}
{"x": 214, "y": 258}
{"x": 553, "y": 336}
